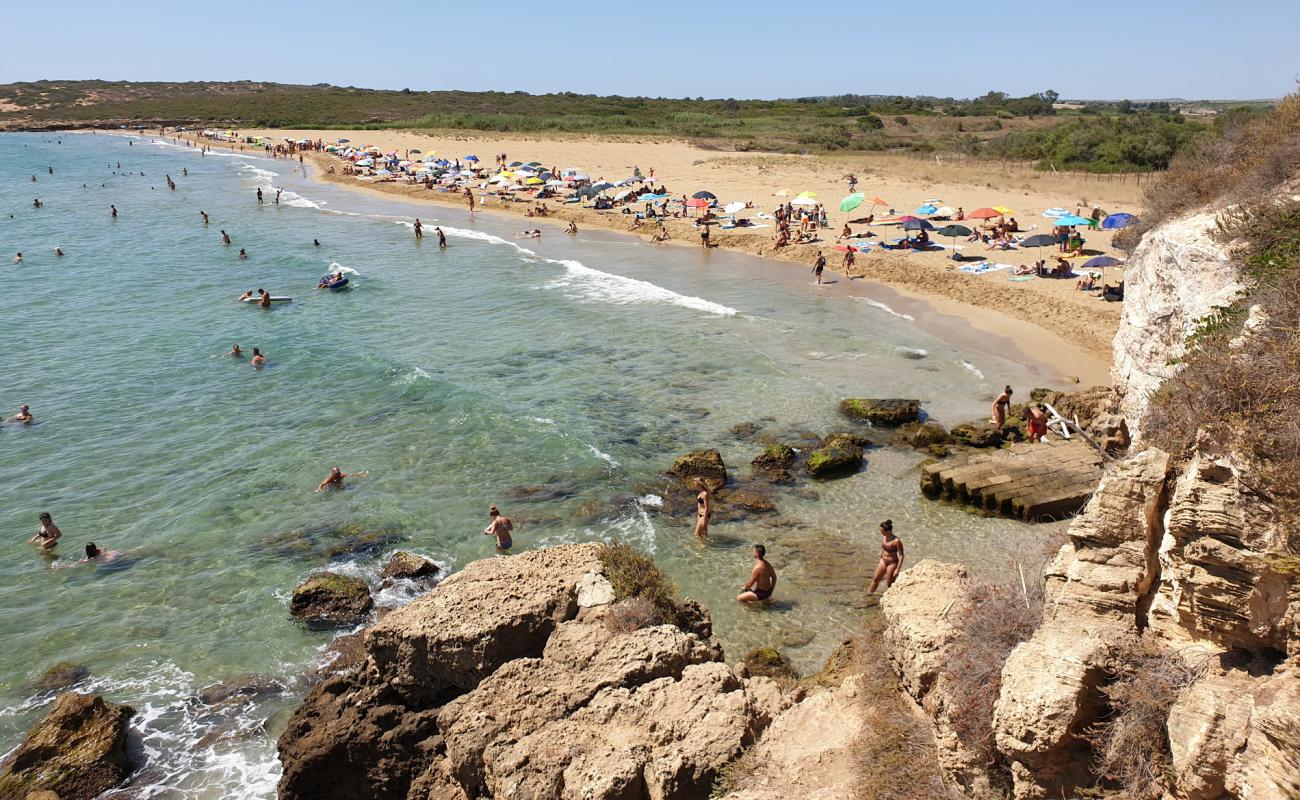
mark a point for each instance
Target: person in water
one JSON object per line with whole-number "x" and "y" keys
{"x": 258, "y": 359}
{"x": 500, "y": 527}
{"x": 113, "y": 209}
{"x": 419, "y": 228}
{"x": 703, "y": 508}
{"x": 573, "y": 228}
{"x": 762, "y": 579}
{"x": 1000, "y": 408}
{"x": 442, "y": 238}
{"x": 243, "y": 254}
{"x": 204, "y": 214}
{"x": 94, "y": 553}
{"x": 235, "y": 352}
{"x": 49, "y": 534}
{"x": 18, "y": 259}
{"x": 891, "y": 557}
{"x": 225, "y": 237}
{"x": 265, "y": 302}
{"x": 332, "y": 481}
{"x": 24, "y": 414}
{"x": 248, "y": 295}
{"x": 315, "y": 242}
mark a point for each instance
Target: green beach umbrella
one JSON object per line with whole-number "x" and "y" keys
{"x": 952, "y": 232}
{"x": 852, "y": 201}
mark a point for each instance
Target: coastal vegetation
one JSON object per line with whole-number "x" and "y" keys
{"x": 1082, "y": 136}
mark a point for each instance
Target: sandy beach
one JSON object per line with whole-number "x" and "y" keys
{"x": 1048, "y": 320}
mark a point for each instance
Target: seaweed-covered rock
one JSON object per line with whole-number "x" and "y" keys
{"x": 768, "y": 662}
{"x": 886, "y": 412}
{"x": 774, "y": 463}
{"x": 839, "y": 455}
{"x": 977, "y": 434}
{"x": 734, "y": 505}
{"x": 704, "y": 464}
{"x": 922, "y": 435}
{"x": 329, "y": 599}
{"x": 78, "y": 751}
{"x": 239, "y": 690}
{"x": 60, "y": 677}
{"x": 408, "y": 566}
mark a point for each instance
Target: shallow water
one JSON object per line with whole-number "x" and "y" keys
{"x": 455, "y": 377}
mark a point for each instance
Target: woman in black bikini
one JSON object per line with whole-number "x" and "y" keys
{"x": 702, "y": 509}
{"x": 891, "y": 557}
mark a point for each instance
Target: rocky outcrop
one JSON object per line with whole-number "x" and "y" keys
{"x": 408, "y": 566}
{"x": 504, "y": 681}
{"x": 920, "y": 611}
{"x": 60, "y": 677}
{"x": 774, "y": 463}
{"x": 886, "y": 413}
{"x": 839, "y": 454}
{"x": 703, "y": 464}
{"x": 329, "y": 599}
{"x": 79, "y": 750}
{"x": 1178, "y": 274}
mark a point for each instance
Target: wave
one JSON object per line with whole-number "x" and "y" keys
{"x": 464, "y": 233}
{"x": 337, "y": 267}
{"x": 885, "y": 308}
{"x": 267, "y": 181}
{"x": 606, "y": 457}
{"x": 971, "y": 367}
{"x": 587, "y": 283}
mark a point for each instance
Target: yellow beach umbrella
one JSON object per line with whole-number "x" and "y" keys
{"x": 534, "y": 181}
{"x": 812, "y": 195}
{"x": 1003, "y": 210}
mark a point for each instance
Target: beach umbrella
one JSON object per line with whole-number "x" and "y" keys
{"x": 1070, "y": 221}
{"x": 587, "y": 191}
{"x": 915, "y": 224}
{"x": 852, "y": 201}
{"x": 945, "y": 211}
{"x": 1101, "y": 262}
{"x": 533, "y": 181}
{"x": 471, "y": 157}
{"x": 813, "y": 195}
{"x": 602, "y": 186}
{"x": 516, "y": 163}
{"x": 534, "y": 163}
{"x": 413, "y": 150}
{"x": 555, "y": 182}
{"x": 1120, "y": 220}
{"x": 926, "y": 209}
{"x": 622, "y": 194}
{"x": 732, "y": 208}
{"x": 984, "y": 213}
{"x": 1038, "y": 240}
{"x": 1052, "y": 213}
{"x": 804, "y": 201}
{"x": 697, "y": 202}
{"x": 343, "y": 141}
{"x": 365, "y": 162}
{"x": 1003, "y": 210}
{"x": 704, "y": 196}
{"x": 952, "y": 232}
{"x": 383, "y": 172}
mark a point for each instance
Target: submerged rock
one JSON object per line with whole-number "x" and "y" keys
{"x": 239, "y": 690}
{"x": 61, "y": 677}
{"x": 774, "y": 463}
{"x": 78, "y": 751}
{"x": 887, "y": 412}
{"x": 408, "y": 566}
{"x": 331, "y": 600}
{"x": 705, "y": 464}
{"x": 840, "y": 454}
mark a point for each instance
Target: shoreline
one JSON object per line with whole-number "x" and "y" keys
{"x": 1009, "y": 322}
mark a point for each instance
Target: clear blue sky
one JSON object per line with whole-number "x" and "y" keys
{"x": 1112, "y": 49}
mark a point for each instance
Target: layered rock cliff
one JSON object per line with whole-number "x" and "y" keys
{"x": 1180, "y": 550}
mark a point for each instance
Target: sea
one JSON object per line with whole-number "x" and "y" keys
{"x": 555, "y": 377}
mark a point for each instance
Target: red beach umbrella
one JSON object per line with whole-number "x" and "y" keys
{"x": 984, "y": 213}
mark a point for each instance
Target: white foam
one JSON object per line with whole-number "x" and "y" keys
{"x": 542, "y": 420}
{"x": 463, "y": 233}
{"x": 583, "y": 282}
{"x": 636, "y": 529}
{"x": 606, "y": 457}
{"x": 971, "y": 367}
{"x": 885, "y": 308}
{"x": 337, "y": 267}
{"x": 267, "y": 182}
{"x": 652, "y": 500}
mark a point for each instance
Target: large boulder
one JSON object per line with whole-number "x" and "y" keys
{"x": 886, "y": 413}
{"x": 329, "y": 599}
{"x": 774, "y": 463}
{"x": 839, "y": 454}
{"x": 78, "y": 751}
{"x": 704, "y": 464}
{"x": 980, "y": 433}
{"x": 408, "y": 566}
{"x": 60, "y": 677}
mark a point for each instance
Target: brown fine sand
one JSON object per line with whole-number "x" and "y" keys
{"x": 1049, "y": 320}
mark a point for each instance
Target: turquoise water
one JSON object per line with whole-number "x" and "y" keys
{"x": 454, "y": 377}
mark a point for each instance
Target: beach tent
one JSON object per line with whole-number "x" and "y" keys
{"x": 1120, "y": 220}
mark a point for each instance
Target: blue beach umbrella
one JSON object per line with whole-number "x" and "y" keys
{"x": 918, "y": 225}
{"x": 471, "y": 158}
{"x": 343, "y": 141}
{"x": 926, "y": 209}
{"x": 1120, "y": 220}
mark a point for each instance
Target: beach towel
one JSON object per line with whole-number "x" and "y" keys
{"x": 983, "y": 268}
{"x": 1022, "y": 278}
{"x": 745, "y": 227}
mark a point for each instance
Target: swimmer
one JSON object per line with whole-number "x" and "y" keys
{"x": 225, "y": 238}
{"x": 762, "y": 579}
{"x": 265, "y": 302}
{"x": 113, "y": 209}
{"x": 24, "y": 414}
{"x": 235, "y": 352}
{"x": 204, "y": 214}
{"x": 58, "y": 251}
{"x": 93, "y": 553}
{"x": 259, "y": 196}
{"x": 48, "y": 535}
{"x": 335, "y": 479}
{"x": 419, "y": 229}
{"x": 315, "y": 242}
{"x": 500, "y": 527}
{"x": 573, "y": 228}
{"x": 18, "y": 259}
{"x": 246, "y": 296}
{"x": 258, "y": 359}
{"x": 243, "y": 254}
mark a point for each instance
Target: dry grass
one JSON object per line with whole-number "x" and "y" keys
{"x": 1132, "y": 743}
{"x": 994, "y": 619}
{"x": 895, "y": 756}
{"x": 1251, "y": 156}
{"x": 635, "y": 576}
{"x": 625, "y": 616}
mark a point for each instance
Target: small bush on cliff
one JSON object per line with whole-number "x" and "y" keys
{"x": 632, "y": 614}
{"x": 1132, "y": 744}
{"x": 635, "y": 576}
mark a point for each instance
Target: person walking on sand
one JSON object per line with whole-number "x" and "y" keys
{"x": 48, "y": 535}
{"x": 819, "y": 266}
{"x": 891, "y": 557}
{"x": 419, "y": 228}
{"x": 469, "y": 195}
{"x": 762, "y": 579}
{"x": 703, "y": 508}
{"x": 849, "y": 258}
{"x": 500, "y": 527}
{"x": 1000, "y": 408}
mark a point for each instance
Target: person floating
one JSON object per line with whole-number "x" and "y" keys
{"x": 48, "y": 535}
{"x": 500, "y": 527}
{"x": 94, "y": 553}
{"x": 762, "y": 579}
{"x": 58, "y": 251}
{"x": 703, "y": 509}
{"x": 18, "y": 259}
{"x": 1000, "y": 408}
{"x": 332, "y": 481}
{"x": 891, "y": 557}
{"x": 243, "y": 254}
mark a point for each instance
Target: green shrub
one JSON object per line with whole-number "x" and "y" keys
{"x": 635, "y": 575}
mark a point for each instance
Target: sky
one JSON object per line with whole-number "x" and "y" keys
{"x": 1140, "y": 49}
